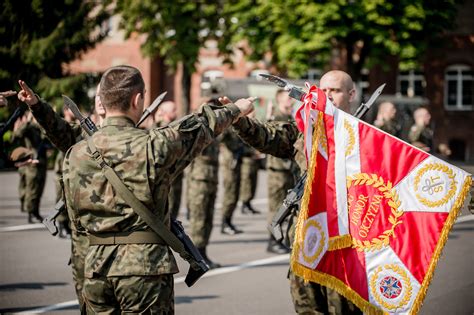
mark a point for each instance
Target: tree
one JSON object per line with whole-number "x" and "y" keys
{"x": 306, "y": 34}
{"x": 38, "y": 37}
{"x": 174, "y": 30}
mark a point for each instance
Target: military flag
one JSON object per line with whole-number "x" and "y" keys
{"x": 376, "y": 211}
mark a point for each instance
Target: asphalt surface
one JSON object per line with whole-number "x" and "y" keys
{"x": 35, "y": 277}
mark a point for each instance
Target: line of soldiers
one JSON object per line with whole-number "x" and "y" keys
{"x": 127, "y": 268}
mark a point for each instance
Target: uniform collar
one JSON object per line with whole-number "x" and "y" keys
{"x": 122, "y": 121}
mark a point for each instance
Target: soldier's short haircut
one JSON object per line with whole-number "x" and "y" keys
{"x": 118, "y": 85}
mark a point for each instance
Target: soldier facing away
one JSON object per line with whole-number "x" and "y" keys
{"x": 283, "y": 139}
{"x": 129, "y": 274}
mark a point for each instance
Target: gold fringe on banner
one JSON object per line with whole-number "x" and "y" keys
{"x": 303, "y": 215}
{"x": 336, "y": 284}
{"x": 453, "y": 214}
{"x": 340, "y": 242}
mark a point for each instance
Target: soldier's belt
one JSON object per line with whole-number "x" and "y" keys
{"x": 137, "y": 237}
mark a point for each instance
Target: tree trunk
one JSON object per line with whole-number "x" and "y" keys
{"x": 186, "y": 89}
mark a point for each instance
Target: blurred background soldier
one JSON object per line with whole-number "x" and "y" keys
{"x": 32, "y": 176}
{"x": 232, "y": 153}
{"x": 385, "y": 119}
{"x": 421, "y": 135}
{"x": 63, "y": 219}
{"x": 249, "y": 176}
{"x": 201, "y": 190}
{"x": 166, "y": 114}
{"x": 281, "y": 172}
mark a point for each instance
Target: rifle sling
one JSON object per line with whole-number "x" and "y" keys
{"x": 140, "y": 209}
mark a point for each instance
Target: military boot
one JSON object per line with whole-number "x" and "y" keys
{"x": 276, "y": 248}
{"x": 247, "y": 208}
{"x": 228, "y": 228}
{"x": 210, "y": 263}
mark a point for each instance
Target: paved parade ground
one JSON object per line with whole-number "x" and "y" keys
{"x": 35, "y": 277}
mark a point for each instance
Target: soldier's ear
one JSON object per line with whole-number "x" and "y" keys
{"x": 352, "y": 95}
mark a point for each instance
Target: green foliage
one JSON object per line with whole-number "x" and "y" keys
{"x": 307, "y": 34}
{"x": 175, "y": 30}
{"x": 38, "y": 37}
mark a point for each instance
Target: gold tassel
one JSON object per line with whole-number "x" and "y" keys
{"x": 453, "y": 214}
{"x": 303, "y": 215}
{"x": 340, "y": 242}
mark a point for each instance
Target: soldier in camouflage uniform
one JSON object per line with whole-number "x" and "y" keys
{"x": 166, "y": 114}
{"x": 32, "y": 176}
{"x": 201, "y": 191}
{"x": 62, "y": 219}
{"x": 385, "y": 119}
{"x": 63, "y": 135}
{"x": 421, "y": 135}
{"x": 248, "y": 180}
{"x": 248, "y": 177}
{"x": 128, "y": 275}
{"x": 283, "y": 139}
{"x": 281, "y": 172}
{"x": 232, "y": 153}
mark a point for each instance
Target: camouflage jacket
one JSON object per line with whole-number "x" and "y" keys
{"x": 277, "y": 138}
{"x": 30, "y": 136}
{"x": 205, "y": 166}
{"x": 280, "y": 164}
{"x": 146, "y": 161}
{"x": 421, "y": 135}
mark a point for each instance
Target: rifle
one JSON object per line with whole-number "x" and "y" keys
{"x": 176, "y": 238}
{"x": 50, "y": 220}
{"x": 290, "y": 206}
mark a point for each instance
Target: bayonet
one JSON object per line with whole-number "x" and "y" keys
{"x": 294, "y": 91}
{"x": 364, "y": 107}
{"x": 86, "y": 123}
{"x": 150, "y": 109}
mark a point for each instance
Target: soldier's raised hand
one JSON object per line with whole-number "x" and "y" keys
{"x": 3, "y": 97}
{"x": 245, "y": 105}
{"x": 26, "y": 95}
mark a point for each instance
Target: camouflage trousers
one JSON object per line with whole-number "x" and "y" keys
{"x": 231, "y": 178}
{"x": 201, "y": 196}
{"x": 130, "y": 295}
{"x": 31, "y": 186}
{"x": 174, "y": 196}
{"x": 248, "y": 179}
{"x": 79, "y": 247}
{"x": 279, "y": 182}
{"x": 311, "y": 298}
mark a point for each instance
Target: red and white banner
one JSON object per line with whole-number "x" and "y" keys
{"x": 376, "y": 211}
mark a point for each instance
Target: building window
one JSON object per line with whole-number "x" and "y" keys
{"x": 459, "y": 88}
{"x": 411, "y": 83}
